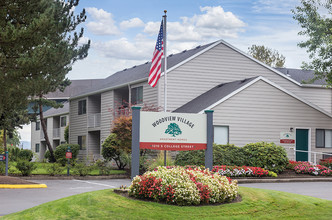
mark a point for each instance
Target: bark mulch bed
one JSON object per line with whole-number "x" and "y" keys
{"x": 125, "y": 193}
{"x": 13, "y": 180}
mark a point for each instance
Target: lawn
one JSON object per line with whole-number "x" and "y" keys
{"x": 255, "y": 204}
{"x": 42, "y": 170}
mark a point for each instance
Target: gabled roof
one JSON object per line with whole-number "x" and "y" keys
{"x": 141, "y": 72}
{"x": 212, "y": 96}
{"x": 57, "y": 111}
{"x": 300, "y": 75}
{"x": 223, "y": 92}
{"x": 76, "y": 87}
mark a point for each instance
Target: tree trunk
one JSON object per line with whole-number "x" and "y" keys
{"x": 43, "y": 124}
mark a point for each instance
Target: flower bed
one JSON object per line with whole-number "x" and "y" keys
{"x": 292, "y": 164}
{"x": 181, "y": 186}
{"x": 243, "y": 171}
{"x": 326, "y": 162}
{"x": 315, "y": 170}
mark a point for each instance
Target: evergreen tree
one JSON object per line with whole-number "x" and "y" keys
{"x": 38, "y": 46}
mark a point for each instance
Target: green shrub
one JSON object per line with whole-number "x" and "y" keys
{"x": 25, "y": 155}
{"x": 14, "y": 153}
{"x": 66, "y": 134}
{"x": 191, "y": 157}
{"x": 25, "y": 167}
{"x": 266, "y": 155}
{"x": 54, "y": 169}
{"x": 103, "y": 167}
{"x": 82, "y": 169}
{"x": 222, "y": 155}
{"x": 228, "y": 155}
{"x": 47, "y": 156}
{"x": 60, "y": 153}
{"x": 159, "y": 161}
{"x": 2, "y": 168}
{"x": 111, "y": 150}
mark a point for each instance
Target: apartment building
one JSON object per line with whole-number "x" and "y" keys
{"x": 252, "y": 102}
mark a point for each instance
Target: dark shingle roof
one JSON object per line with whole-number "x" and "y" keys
{"x": 212, "y": 96}
{"x": 300, "y": 75}
{"x": 76, "y": 87}
{"x": 57, "y": 111}
{"x": 141, "y": 72}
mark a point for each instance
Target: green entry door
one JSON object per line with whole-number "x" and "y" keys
{"x": 302, "y": 144}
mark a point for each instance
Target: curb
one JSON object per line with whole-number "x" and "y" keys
{"x": 22, "y": 186}
{"x": 283, "y": 180}
{"x": 45, "y": 177}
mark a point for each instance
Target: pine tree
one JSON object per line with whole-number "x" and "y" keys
{"x": 38, "y": 46}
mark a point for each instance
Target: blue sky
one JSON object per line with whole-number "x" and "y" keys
{"x": 124, "y": 33}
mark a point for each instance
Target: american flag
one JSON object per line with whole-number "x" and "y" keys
{"x": 155, "y": 69}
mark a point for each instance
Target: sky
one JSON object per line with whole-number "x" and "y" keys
{"x": 124, "y": 33}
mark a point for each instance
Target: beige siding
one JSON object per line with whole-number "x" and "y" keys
{"x": 261, "y": 112}
{"x": 35, "y": 137}
{"x": 94, "y": 143}
{"x": 93, "y": 105}
{"x": 222, "y": 64}
{"x": 78, "y": 123}
{"x": 107, "y": 107}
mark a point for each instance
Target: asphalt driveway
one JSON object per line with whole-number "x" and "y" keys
{"x": 14, "y": 200}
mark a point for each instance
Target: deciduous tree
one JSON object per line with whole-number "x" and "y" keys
{"x": 315, "y": 19}
{"x": 267, "y": 55}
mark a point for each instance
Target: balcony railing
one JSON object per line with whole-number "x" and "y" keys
{"x": 94, "y": 120}
{"x": 56, "y": 132}
{"x": 42, "y": 135}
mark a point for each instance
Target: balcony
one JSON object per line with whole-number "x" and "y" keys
{"x": 42, "y": 135}
{"x": 56, "y": 132}
{"x": 94, "y": 120}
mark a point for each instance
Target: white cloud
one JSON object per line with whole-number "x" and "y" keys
{"x": 125, "y": 49}
{"x": 102, "y": 24}
{"x": 213, "y": 23}
{"x": 132, "y": 23}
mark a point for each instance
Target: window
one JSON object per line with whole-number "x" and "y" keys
{"x": 62, "y": 142}
{"x": 221, "y": 134}
{"x": 82, "y": 142}
{"x": 323, "y": 138}
{"x": 63, "y": 121}
{"x": 37, "y": 125}
{"x": 137, "y": 95}
{"x": 37, "y": 148}
{"x": 82, "y": 107}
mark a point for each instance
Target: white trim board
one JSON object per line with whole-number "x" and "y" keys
{"x": 272, "y": 84}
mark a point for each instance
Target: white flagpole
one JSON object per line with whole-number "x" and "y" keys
{"x": 165, "y": 72}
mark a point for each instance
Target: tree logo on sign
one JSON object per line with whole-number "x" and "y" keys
{"x": 173, "y": 129}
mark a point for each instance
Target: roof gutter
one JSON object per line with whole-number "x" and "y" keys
{"x": 108, "y": 89}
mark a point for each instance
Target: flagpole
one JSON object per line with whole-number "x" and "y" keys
{"x": 165, "y": 72}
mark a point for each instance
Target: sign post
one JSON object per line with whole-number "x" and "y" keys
{"x": 209, "y": 147}
{"x": 135, "y": 142}
{"x": 6, "y": 163}
{"x": 69, "y": 155}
